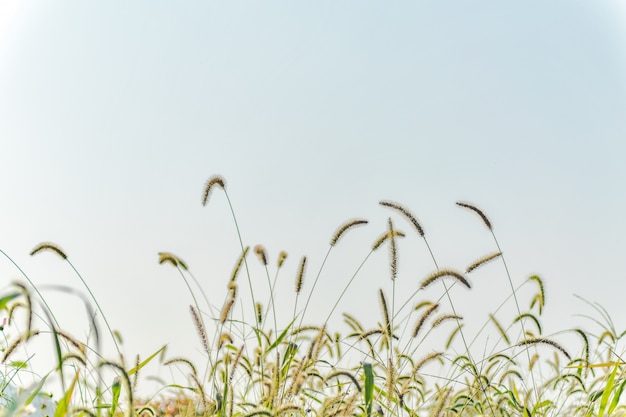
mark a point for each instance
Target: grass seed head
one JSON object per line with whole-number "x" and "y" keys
{"x": 406, "y": 213}
{"x": 242, "y": 258}
{"x": 477, "y": 211}
{"x": 383, "y": 306}
{"x": 443, "y": 273}
{"x": 342, "y": 229}
{"x": 384, "y": 237}
{"x": 261, "y": 254}
{"x": 393, "y": 254}
{"x": 281, "y": 258}
{"x": 167, "y": 257}
{"x": 216, "y": 180}
{"x": 48, "y": 246}
{"x": 482, "y": 261}
{"x": 423, "y": 318}
{"x": 225, "y": 338}
{"x": 259, "y": 312}
{"x": 300, "y": 275}
{"x": 543, "y": 340}
{"x": 226, "y": 310}
{"x": 445, "y": 317}
{"x": 200, "y": 328}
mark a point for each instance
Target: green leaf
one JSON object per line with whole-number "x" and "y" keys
{"x": 280, "y": 338}
{"x": 35, "y": 390}
{"x": 144, "y": 363}
{"x": 62, "y": 406}
{"x": 369, "y": 387}
{"x": 616, "y": 398}
{"x": 5, "y": 300}
{"x": 116, "y": 389}
{"x": 607, "y": 392}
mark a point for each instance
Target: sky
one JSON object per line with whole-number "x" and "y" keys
{"x": 114, "y": 114}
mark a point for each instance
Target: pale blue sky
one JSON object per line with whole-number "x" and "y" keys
{"x": 113, "y": 115}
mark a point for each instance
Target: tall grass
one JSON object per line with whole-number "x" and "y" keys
{"x": 420, "y": 358}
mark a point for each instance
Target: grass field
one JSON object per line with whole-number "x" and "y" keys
{"x": 422, "y": 357}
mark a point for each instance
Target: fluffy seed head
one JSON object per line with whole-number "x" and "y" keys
{"x": 445, "y": 317}
{"x": 425, "y": 360}
{"x": 477, "y": 211}
{"x": 260, "y": 252}
{"x": 239, "y": 263}
{"x": 344, "y": 228}
{"x": 226, "y": 310}
{"x": 383, "y": 306}
{"x": 259, "y": 312}
{"x": 482, "y": 261}
{"x": 300, "y": 275}
{"x": 200, "y": 328}
{"x": 211, "y": 182}
{"x": 281, "y": 258}
{"x": 48, "y": 246}
{"x": 224, "y": 338}
{"x": 547, "y": 342}
{"x": 443, "y": 273}
{"x": 406, "y": 213}
{"x": 232, "y": 288}
{"x": 384, "y": 237}
{"x": 393, "y": 255}
{"x": 172, "y": 259}
{"x": 423, "y": 318}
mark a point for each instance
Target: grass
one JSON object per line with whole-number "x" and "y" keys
{"x": 420, "y": 358}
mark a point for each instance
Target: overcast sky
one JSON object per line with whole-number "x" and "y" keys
{"x": 114, "y": 114}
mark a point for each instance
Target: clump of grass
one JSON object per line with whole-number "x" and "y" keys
{"x": 399, "y": 366}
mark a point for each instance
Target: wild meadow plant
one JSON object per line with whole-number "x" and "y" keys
{"x": 262, "y": 358}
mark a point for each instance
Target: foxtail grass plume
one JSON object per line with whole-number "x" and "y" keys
{"x": 300, "y": 275}
{"x": 477, "y": 211}
{"x": 540, "y": 298}
{"x": 390, "y": 383}
{"x": 542, "y": 340}
{"x": 21, "y": 339}
{"x": 425, "y": 360}
{"x": 384, "y": 237}
{"x": 445, "y": 273}
{"x": 316, "y": 346}
{"x": 212, "y": 182}
{"x": 281, "y": 258}
{"x": 167, "y": 257}
{"x": 445, "y": 317}
{"x": 226, "y": 310}
{"x": 423, "y": 318}
{"x": 372, "y": 332}
{"x": 344, "y": 228}
{"x": 393, "y": 254}
{"x": 383, "y": 306}
{"x": 235, "y": 363}
{"x": 232, "y": 288}
{"x": 346, "y": 374}
{"x": 259, "y": 312}
{"x": 225, "y": 338}
{"x": 200, "y": 328}
{"x": 186, "y": 361}
{"x": 200, "y": 388}
{"x": 482, "y": 261}
{"x": 27, "y": 304}
{"x": 289, "y": 409}
{"x": 233, "y": 276}
{"x": 48, "y": 246}
{"x": 441, "y": 402}
{"x": 260, "y": 252}
{"x": 406, "y": 213}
